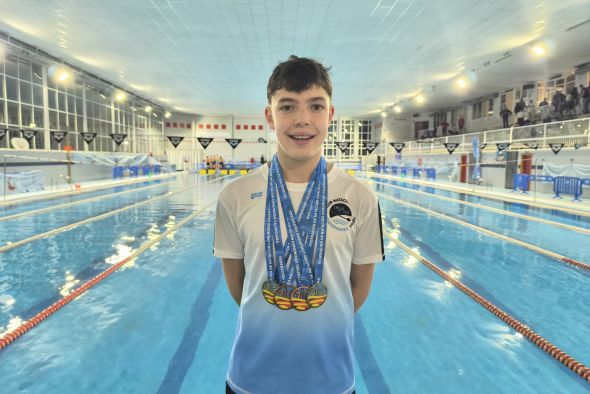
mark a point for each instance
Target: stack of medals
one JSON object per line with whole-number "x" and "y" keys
{"x": 300, "y": 284}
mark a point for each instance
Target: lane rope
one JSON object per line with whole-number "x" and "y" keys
{"x": 68, "y": 227}
{"x": 553, "y": 255}
{"x": 11, "y": 336}
{"x": 556, "y": 353}
{"x": 492, "y": 209}
{"x": 51, "y": 196}
{"x": 484, "y": 195}
{"x": 73, "y": 203}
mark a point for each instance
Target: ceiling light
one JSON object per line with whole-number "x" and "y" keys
{"x": 167, "y": 114}
{"x": 539, "y": 50}
{"x": 397, "y": 109}
{"x": 155, "y": 114}
{"x": 383, "y": 114}
{"x": 120, "y": 96}
{"x": 133, "y": 108}
{"x": 148, "y": 108}
{"x": 59, "y": 73}
{"x": 32, "y": 125}
{"x": 461, "y": 83}
{"x": 102, "y": 95}
{"x": 420, "y": 99}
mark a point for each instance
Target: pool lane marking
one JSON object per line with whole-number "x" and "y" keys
{"x": 71, "y": 226}
{"x": 549, "y": 348}
{"x": 70, "y": 204}
{"x": 553, "y": 255}
{"x": 53, "y": 196}
{"x": 483, "y": 195}
{"x": 496, "y": 210}
{"x": 10, "y": 337}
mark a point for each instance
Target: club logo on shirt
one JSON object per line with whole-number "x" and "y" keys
{"x": 339, "y": 214}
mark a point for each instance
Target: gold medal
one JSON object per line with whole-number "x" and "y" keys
{"x": 268, "y": 291}
{"x": 283, "y": 297}
{"x": 317, "y": 295}
{"x": 299, "y": 298}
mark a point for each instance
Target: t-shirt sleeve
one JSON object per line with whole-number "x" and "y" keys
{"x": 368, "y": 244}
{"x": 227, "y": 243}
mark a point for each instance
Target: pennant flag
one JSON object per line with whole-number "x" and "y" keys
{"x": 175, "y": 141}
{"x": 398, "y": 146}
{"x": 58, "y": 136}
{"x": 204, "y": 141}
{"x": 577, "y": 145}
{"x": 451, "y": 146}
{"x": 343, "y": 146}
{"x": 29, "y": 134}
{"x": 370, "y": 146}
{"x": 118, "y": 138}
{"x": 502, "y": 146}
{"x": 3, "y": 132}
{"x": 482, "y": 146}
{"x": 233, "y": 142}
{"x": 261, "y": 140}
{"x": 556, "y": 147}
{"x": 88, "y": 137}
{"x": 531, "y": 145}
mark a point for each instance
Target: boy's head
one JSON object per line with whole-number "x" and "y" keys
{"x": 297, "y": 74}
{"x": 299, "y": 108}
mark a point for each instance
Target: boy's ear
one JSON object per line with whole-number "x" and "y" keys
{"x": 268, "y": 116}
{"x": 331, "y": 113}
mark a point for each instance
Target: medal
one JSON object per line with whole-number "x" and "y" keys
{"x": 269, "y": 288}
{"x": 317, "y": 295}
{"x": 299, "y": 298}
{"x": 290, "y": 265}
{"x": 283, "y": 297}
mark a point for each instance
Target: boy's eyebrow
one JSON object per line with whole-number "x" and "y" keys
{"x": 292, "y": 100}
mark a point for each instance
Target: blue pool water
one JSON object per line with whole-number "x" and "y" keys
{"x": 165, "y": 322}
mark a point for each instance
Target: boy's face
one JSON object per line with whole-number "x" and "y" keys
{"x": 301, "y": 121}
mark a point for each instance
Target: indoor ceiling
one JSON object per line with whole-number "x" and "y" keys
{"x": 215, "y": 57}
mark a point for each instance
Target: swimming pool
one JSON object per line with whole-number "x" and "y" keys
{"x": 165, "y": 322}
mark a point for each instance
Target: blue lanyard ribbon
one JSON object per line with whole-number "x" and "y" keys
{"x": 303, "y": 228}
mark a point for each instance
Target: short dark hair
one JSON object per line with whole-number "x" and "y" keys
{"x": 297, "y": 74}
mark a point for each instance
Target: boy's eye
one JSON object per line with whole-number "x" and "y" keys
{"x": 285, "y": 108}
{"x": 317, "y": 107}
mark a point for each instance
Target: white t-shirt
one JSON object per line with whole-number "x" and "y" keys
{"x": 277, "y": 351}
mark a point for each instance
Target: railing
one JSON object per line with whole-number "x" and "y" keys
{"x": 568, "y": 132}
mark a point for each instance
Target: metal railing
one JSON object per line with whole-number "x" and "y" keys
{"x": 567, "y": 132}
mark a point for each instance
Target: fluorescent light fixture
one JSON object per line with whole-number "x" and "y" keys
{"x": 102, "y": 95}
{"x": 148, "y": 108}
{"x": 167, "y": 114}
{"x": 120, "y": 96}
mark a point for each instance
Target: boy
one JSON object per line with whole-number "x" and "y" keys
{"x": 298, "y": 270}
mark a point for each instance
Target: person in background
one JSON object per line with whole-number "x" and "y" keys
{"x": 262, "y": 160}
{"x": 545, "y": 111}
{"x": 461, "y": 123}
{"x": 444, "y": 126}
{"x": 585, "y": 98}
{"x": 505, "y": 113}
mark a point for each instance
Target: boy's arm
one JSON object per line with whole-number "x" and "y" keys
{"x": 234, "y": 271}
{"x": 361, "y": 276}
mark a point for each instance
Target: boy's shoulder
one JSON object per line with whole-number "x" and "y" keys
{"x": 357, "y": 185}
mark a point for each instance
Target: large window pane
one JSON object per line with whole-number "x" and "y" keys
{"x": 63, "y": 121}
{"x": 71, "y": 104}
{"x": 37, "y": 73}
{"x": 24, "y": 71}
{"x": 38, "y": 95}
{"x": 53, "y": 120}
{"x": 27, "y": 115}
{"x": 1, "y": 84}
{"x": 12, "y": 89}
{"x": 26, "y": 94}
{"x": 13, "y": 113}
{"x": 52, "y": 99}
{"x": 11, "y": 66}
{"x": 79, "y": 109}
{"x": 61, "y": 101}
{"x": 79, "y": 124}
{"x": 38, "y": 117}
{"x": 2, "y": 103}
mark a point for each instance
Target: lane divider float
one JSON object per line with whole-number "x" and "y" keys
{"x": 492, "y": 209}
{"x": 105, "y": 215}
{"x": 553, "y": 255}
{"x": 568, "y": 361}
{"x": 13, "y": 335}
{"x": 498, "y": 197}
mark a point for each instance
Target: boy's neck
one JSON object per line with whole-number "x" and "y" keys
{"x": 296, "y": 171}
